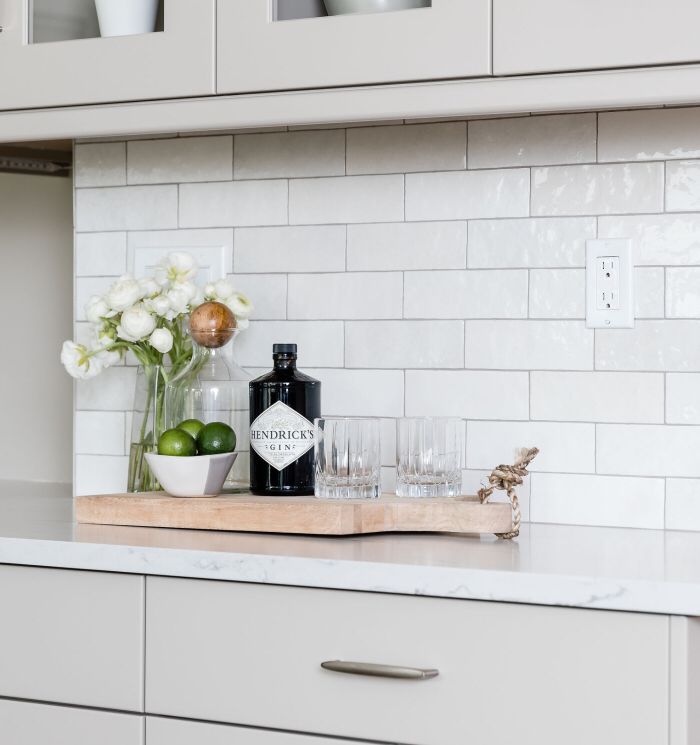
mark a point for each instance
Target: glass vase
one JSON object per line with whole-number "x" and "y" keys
{"x": 214, "y": 388}
{"x": 147, "y": 425}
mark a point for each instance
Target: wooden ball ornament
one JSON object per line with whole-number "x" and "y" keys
{"x": 212, "y": 325}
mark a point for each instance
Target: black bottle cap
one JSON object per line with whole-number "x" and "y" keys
{"x": 284, "y": 349}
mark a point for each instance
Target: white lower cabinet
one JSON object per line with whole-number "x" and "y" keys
{"x": 71, "y": 637}
{"x": 180, "y": 732}
{"x": 24, "y": 723}
{"x": 251, "y": 655}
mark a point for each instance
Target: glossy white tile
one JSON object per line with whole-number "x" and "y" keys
{"x": 126, "y": 208}
{"x": 99, "y": 433}
{"x": 361, "y": 392}
{"x": 683, "y": 504}
{"x": 683, "y": 292}
{"x": 99, "y": 164}
{"x": 100, "y": 474}
{"x": 100, "y": 254}
{"x": 682, "y": 185}
{"x": 180, "y": 160}
{"x": 557, "y": 293}
{"x": 649, "y": 292}
{"x": 683, "y": 398}
{"x": 112, "y": 390}
{"x": 268, "y": 293}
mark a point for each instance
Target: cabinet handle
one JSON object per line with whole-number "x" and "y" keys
{"x": 380, "y": 671}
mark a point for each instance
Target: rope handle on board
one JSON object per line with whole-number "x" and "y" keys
{"x": 507, "y": 478}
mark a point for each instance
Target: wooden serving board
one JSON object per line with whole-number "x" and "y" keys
{"x": 300, "y": 515}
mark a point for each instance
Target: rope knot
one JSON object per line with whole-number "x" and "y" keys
{"x": 506, "y": 478}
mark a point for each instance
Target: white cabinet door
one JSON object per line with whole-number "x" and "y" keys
{"x": 251, "y": 654}
{"x": 181, "y": 732}
{"x": 175, "y": 62}
{"x": 553, "y": 35}
{"x": 24, "y": 723}
{"x": 256, "y": 52}
{"x": 71, "y": 637}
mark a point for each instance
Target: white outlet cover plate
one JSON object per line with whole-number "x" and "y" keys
{"x": 622, "y": 316}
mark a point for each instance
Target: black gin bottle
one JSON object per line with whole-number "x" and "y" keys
{"x": 283, "y": 406}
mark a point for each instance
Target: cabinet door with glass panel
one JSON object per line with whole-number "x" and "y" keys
{"x": 266, "y": 45}
{"x": 52, "y": 52}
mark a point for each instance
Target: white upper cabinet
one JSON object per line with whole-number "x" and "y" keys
{"x": 554, "y": 35}
{"x": 262, "y": 48}
{"x": 51, "y": 55}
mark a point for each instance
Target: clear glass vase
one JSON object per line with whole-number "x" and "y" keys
{"x": 214, "y": 388}
{"x": 146, "y": 426}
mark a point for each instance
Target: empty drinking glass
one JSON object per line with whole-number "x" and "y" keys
{"x": 348, "y": 464}
{"x": 429, "y": 456}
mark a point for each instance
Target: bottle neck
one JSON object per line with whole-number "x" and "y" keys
{"x": 285, "y": 362}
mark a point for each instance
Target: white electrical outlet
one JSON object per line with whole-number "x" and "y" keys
{"x": 609, "y": 289}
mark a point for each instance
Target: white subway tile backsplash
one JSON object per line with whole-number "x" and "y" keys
{"x": 650, "y": 345}
{"x": 100, "y": 474}
{"x": 85, "y": 288}
{"x": 657, "y": 239}
{"x": 233, "y": 203}
{"x": 529, "y": 345}
{"x": 126, "y": 208}
{"x": 346, "y": 199}
{"x": 461, "y": 195}
{"x": 611, "y": 501}
{"x": 648, "y": 450}
{"x": 655, "y": 134}
{"x": 350, "y": 295}
{"x": 649, "y": 292}
{"x": 597, "y": 397}
{"x": 112, "y": 390}
{"x": 399, "y": 245}
{"x": 375, "y": 393}
{"x": 557, "y": 293}
{"x": 267, "y": 292}
{"x": 564, "y": 447}
{"x": 683, "y": 398}
{"x": 683, "y": 292}
{"x": 305, "y": 248}
{"x": 466, "y": 294}
{"x": 532, "y": 141}
{"x": 100, "y": 164}
{"x": 598, "y": 189}
{"x": 290, "y": 154}
{"x": 180, "y": 160}
{"x": 529, "y": 242}
{"x": 401, "y": 149}
{"x": 320, "y": 343}
{"x": 471, "y": 394}
{"x": 683, "y": 504}
{"x": 99, "y": 433}
{"x": 100, "y": 254}
{"x": 683, "y": 185}
{"x": 404, "y": 344}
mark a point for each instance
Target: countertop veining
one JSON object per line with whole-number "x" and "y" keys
{"x": 608, "y": 568}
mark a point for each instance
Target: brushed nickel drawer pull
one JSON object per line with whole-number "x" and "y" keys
{"x": 380, "y": 671}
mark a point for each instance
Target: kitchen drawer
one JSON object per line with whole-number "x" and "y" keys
{"x": 23, "y": 723}
{"x": 180, "y": 732}
{"x": 251, "y": 654}
{"x": 72, "y": 637}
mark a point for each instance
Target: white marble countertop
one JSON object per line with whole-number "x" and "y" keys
{"x": 612, "y": 568}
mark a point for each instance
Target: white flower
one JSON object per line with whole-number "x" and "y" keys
{"x": 179, "y": 303}
{"x": 162, "y": 340}
{"x": 149, "y": 287}
{"x": 108, "y": 357}
{"x": 78, "y": 361}
{"x": 96, "y": 309}
{"x": 176, "y": 267}
{"x": 136, "y": 324}
{"x": 123, "y": 293}
{"x": 240, "y": 305}
{"x": 242, "y": 324}
{"x": 210, "y": 291}
{"x": 223, "y": 289}
{"x": 160, "y": 305}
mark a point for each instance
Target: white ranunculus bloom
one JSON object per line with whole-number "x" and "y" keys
{"x": 78, "y": 362}
{"x": 162, "y": 340}
{"x": 210, "y": 291}
{"x": 96, "y": 309}
{"x": 149, "y": 287}
{"x": 108, "y": 357}
{"x": 179, "y": 301}
{"x": 136, "y": 324}
{"x": 178, "y": 266}
{"x": 160, "y": 305}
{"x": 123, "y": 293}
{"x": 240, "y": 305}
{"x": 224, "y": 289}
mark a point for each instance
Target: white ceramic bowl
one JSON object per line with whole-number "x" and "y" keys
{"x": 341, "y": 7}
{"x": 195, "y": 476}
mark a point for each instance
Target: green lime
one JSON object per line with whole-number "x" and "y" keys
{"x": 176, "y": 442}
{"x": 216, "y": 437}
{"x": 192, "y": 426}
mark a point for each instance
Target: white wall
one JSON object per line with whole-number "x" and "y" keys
{"x": 438, "y": 269}
{"x": 36, "y": 293}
